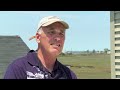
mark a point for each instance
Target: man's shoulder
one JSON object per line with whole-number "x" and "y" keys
{"x": 19, "y": 61}
{"x": 23, "y": 59}
{"x": 68, "y": 70}
{"x": 62, "y": 65}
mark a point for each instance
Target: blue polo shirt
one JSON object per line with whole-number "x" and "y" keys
{"x": 30, "y": 67}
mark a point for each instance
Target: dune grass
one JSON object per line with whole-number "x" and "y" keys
{"x": 89, "y": 66}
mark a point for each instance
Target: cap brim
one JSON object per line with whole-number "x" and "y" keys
{"x": 51, "y": 22}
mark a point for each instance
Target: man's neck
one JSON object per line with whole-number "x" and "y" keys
{"x": 47, "y": 60}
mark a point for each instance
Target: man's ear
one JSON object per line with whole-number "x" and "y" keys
{"x": 38, "y": 37}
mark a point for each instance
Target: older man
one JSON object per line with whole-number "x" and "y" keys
{"x": 43, "y": 63}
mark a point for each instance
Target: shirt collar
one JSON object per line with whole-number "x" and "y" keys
{"x": 34, "y": 60}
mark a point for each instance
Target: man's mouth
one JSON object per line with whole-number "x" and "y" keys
{"x": 58, "y": 45}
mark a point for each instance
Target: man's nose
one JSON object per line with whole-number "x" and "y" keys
{"x": 57, "y": 38}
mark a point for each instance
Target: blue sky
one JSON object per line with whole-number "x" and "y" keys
{"x": 88, "y": 29}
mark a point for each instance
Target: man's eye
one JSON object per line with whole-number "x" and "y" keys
{"x": 62, "y": 34}
{"x": 51, "y": 32}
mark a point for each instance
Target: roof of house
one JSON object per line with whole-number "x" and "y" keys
{"x": 11, "y": 47}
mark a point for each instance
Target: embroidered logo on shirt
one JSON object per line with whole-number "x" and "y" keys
{"x": 31, "y": 75}
{"x": 38, "y": 75}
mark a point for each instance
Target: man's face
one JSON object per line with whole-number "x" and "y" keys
{"x": 52, "y": 38}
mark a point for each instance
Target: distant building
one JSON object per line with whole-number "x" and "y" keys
{"x": 115, "y": 44}
{"x": 108, "y": 52}
{"x": 11, "y": 47}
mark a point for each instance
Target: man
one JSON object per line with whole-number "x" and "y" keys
{"x": 43, "y": 63}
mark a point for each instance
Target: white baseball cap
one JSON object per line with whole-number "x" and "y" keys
{"x": 48, "y": 21}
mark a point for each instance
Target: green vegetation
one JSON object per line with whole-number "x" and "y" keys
{"x": 88, "y": 66}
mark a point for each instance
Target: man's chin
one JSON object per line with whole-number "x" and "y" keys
{"x": 55, "y": 52}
